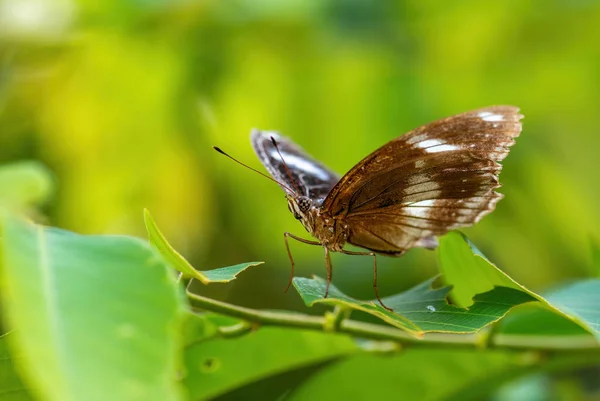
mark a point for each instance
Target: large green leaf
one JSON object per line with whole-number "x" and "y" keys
{"x": 467, "y": 270}
{"x": 535, "y": 319}
{"x": 94, "y": 317}
{"x": 276, "y": 387}
{"x": 580, "y": 300}
{"x": 218, "y": 366}
{"x": 24, "y": 184}
{"x": 178, "y": 262}
{"x": 421, "y": 309}
{"x": 12, "y": 387}
{"x": 428, "y": 374}
{"x": 480, "y": 292}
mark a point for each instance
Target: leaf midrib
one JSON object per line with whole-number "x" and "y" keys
{"x": 54, "y": 321}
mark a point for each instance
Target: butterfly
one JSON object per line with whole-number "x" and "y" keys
{"x": 423, "y": 184}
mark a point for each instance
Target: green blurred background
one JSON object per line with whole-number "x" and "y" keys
{"x": 123, "y": 100}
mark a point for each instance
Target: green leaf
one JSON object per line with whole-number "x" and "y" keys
{"x": 534, "y": 319}
{"x": 179, "y": 263}
{"x": 469, "y": 273}
{"x": 481, "y": 294}
{"x": 226, "y": 274}
{"x": 276, "y": 387}
{"x": 580, "y": 300}
{"x": 12, "y": 387}
{"x": 218, "y": 366}
{"x": 428, "y": 374}
{"x": 94, "y": 317}
{"x": 421, "y": 309}
{"x": 540, "y": 327}
{"x": 24, "y": 184}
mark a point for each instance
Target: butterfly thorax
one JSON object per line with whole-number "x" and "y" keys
{"x": 319, "y": 224}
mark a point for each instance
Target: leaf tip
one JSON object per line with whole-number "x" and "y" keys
{"x": 256, "y": 263}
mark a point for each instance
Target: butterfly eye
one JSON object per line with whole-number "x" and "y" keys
{"x": 304, "y": 204}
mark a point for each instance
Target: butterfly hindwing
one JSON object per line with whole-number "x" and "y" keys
{"x": 311, "y": 178}
{"x": 436, "y": 178}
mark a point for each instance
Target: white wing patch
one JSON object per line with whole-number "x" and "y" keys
{"x": 429, "y": 143}
{"x": 299, "y": 163}
{"x": 434, "y": 146}
{"x": 421, "y": 209}
{"x": 441, "y": 148}
{"x": 424, "y": 203}
{"x": 489, "y": 116}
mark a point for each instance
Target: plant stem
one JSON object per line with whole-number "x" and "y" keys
{"x": 381, "y": 332}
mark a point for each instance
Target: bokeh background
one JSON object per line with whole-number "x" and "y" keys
{"x": 124, "y": 100}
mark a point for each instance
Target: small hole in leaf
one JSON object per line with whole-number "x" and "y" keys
{"x": 210, "y": 365}
{"x": 449, "y": 300}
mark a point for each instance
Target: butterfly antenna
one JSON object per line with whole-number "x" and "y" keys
{"x": 253, "y": 169}
{"x": 287, "y": 170}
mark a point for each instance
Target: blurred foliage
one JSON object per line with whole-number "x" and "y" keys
{"x": 79, "y": 319}
{"x": 99, "y": 309}
{"x": 25, "y": 184}
{"x": 123, "y": 100}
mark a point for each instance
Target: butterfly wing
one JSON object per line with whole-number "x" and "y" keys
{"x": 434, "y": 179}
{"x": 311, "y": 178}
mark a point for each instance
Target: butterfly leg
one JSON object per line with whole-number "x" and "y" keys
{"x": 287, "y": 247}
{"x": 328, "y": 267}
{"x": 374, "y": 273}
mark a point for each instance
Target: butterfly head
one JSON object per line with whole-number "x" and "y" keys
{"x": 299, "y": 205}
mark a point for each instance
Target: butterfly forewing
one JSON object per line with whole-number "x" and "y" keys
{"x": 436, "y": 178}
{"x": 309, "y": 177}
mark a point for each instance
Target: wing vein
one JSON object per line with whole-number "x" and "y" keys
{"x": 380, "y": 237}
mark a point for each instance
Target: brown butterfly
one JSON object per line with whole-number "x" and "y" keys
{"x": 432, "y": 180}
